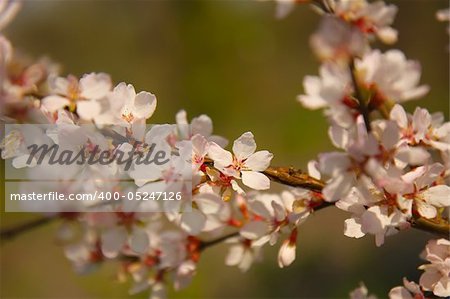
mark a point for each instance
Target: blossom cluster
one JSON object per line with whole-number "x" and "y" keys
{"x": 391, "y": 168}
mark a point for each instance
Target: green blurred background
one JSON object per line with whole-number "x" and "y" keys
{"x": 235, "y": 62}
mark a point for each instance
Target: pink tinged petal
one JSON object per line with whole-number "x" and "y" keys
{"x": 235, "y": 186}
{"x": 279, "y": 211}
{"x": 412, "y": 155}
{"x": 374, "y": 220}
{"x": 337, "y": 188}
{"x": 398, "y": 114}
{"x": 121, "y": 95}
{"x": 113, "y": 241}
{"x": 235, "y": 255}
{"x": 21, "y": 162}
{"x": 184, "y": 275}
{"x": 247, "y": 260}
{"x": 429, "y": 279}
{"x": 400, "y": 293}
{"x": 244, "y": 146}
{"x": 221, "y": 157}
{"x": 411, "y": 176}
{"x": 339, "y": 136}
{"x": 379, "y": 239}
{"x": 352, "y": 228}
{"x": 443, "y": 242}
{"x": 313, "y": 169}
{"x": 202, "y": 125}
{"x": 442, "y": 146}
{"x": 312, "y": 100}
{"x": 438, "y": 196}
{"x": 193, "y": 222}
{"x": 223, "y": 142}
{"x": 142, "y": 174}
{"x": 254, "y": 230}
{"x": 286, "y": 254}
{"x": 259, "y": 161}
{"x": 139, "y": 241}
{"x": 442, "y": 288}
{"x": 426, "y": 210}
{"x": 210, "y": 203}
{"x": 199, "y": 145}
{"x": 387, "y": 35}
{"x": 158, "y": 291}
{"x": 334, "y": 163}
{"x": 59, "y": 85}
{"x": 145, "y": 104}
{"x": 255, "y": 180}
{"x": 88, "y": 110}
{"x": 421, "y": 122}
{"x": 390, "y": 136}
{"x": 95, "y": 86}
{"x": 54, "y": 103}
{"x": 416, "y": 93}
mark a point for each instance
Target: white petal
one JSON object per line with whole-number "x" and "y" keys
{"x": 255, "y": 180}
{"x": 54, "y": 103}
{"x": 193, "y": 222}
{"x": 254, "y": 230}
{"x": 220, "y": 156}
{"x": 202, "y": 125}
{"x": 88, "y": 110}
{"x": 339, "y": 136}
{"x": 259, "y": 161}
{"x": 438, "y": 196}
{"x": 139, "y": 241}
{"x": 286, "y": 254}
{"x": 313, "y": 169}
{"x": 145, "y": 104}
{"x": 234, "y": 255}
{"x": 400, "y": 293}
{"x": 390, "y": 135}
{"x": 113, "y": 241}
{"x": 374, "y": 220}
{"x": 387, "y": 35}
{"x": 21, "y": 162}
{"x": 244, "y": 146}
{"x": 353, "y": 229}
{"x": 338, "y": 187}
{"x": 442, "y": 288}
{"x": 429, "y": 279}
{"x": 398, "y": 114}
{"x": 95, "y": 86}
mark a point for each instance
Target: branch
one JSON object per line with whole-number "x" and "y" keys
{"x": 296, "y": 178}
{"x": 12, "y": 232}
{"x": 285, "y": 175}
{"x": 206, "y": 244}
{"x": 362, "y": 107}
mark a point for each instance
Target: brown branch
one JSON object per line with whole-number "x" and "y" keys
{"x": 362, "y": 107}
{"x": 294, "y": 177}
{"x": 12, "y": 232}
{"x": 207, "y": 244}
{"x": 285, "y": 175}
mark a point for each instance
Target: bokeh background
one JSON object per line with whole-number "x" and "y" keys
{"x": 235, "y": 62}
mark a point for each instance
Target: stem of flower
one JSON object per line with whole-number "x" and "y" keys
{"x": 206, "y": 244}
{"x": 363, "y": 107}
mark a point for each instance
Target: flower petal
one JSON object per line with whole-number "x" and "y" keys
{"x": 259, "y": 161}
{"x": 244, "y": 146}
{"x": 255, "y": 180}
